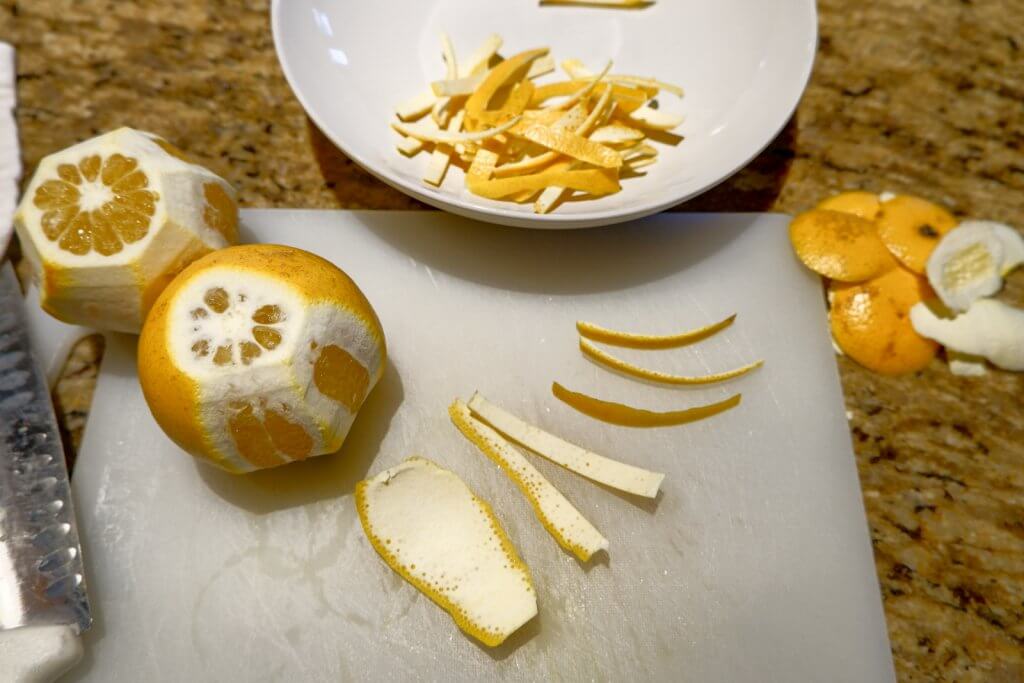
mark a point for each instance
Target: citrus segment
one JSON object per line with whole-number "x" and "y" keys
{"x": 340, "y": 376}
{"x": 430, "y": 528}
{"x": 610, "y": 361}
{"x": 864, "y": 205}
{"x": 260, "y": 355}
{"x": 649, "y": 341}
{"x": 628, "y": 416}
{"x": 617, "y": 475}
{"x": 117, "y": 217}
{"x": 840, "y": 246}
{"x": 564, "y": 522}
{"x": 871, "y": 322}
{"x": 911, "y": 228}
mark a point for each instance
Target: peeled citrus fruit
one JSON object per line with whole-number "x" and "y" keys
{"x": 871, "y": 322}
{"x": 259, "y": 355}
{"x": 106, "y": 224}
{"x": 840, "y": 246}
{"x": 911, "y": 228}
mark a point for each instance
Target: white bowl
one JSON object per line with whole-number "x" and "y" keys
{"x": 743, "y": 64}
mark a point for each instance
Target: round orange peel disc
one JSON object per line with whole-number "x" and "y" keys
{"x": 911, "y": 228}
{"x": 870, "y": 322}
{"x": 840, "y": 246}
{"x": 858, "y": 203}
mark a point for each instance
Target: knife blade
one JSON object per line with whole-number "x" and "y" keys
{"x": 43, "y": 601}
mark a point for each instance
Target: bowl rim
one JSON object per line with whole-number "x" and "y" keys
{"x": 507, "y": 216}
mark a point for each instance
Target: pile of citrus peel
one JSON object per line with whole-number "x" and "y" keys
{"x": 402, "y": 507}
{"x": 520, "y": 141}
{"x": 904, "y": 276}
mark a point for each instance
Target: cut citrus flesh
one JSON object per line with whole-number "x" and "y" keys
{"x": 430, "y": 528}
{"x": 98, "y": 204}
{"x": 840, "y": 246}
{"x": 260, "y": 355}
{"x": 628, "y": 416}
{"x": 562, "y": 520}
{"x": 612, "y": 473}
{"x": 650, "y": 341}
{"x": 864, "y": 205}
{"x": 911, "y": 227}
{"x": 871, "y": 322}
{"x": 105, "y": 225}
{"x": 610, "y": 361}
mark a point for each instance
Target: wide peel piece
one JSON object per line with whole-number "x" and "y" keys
{"x": 429, "y": 527}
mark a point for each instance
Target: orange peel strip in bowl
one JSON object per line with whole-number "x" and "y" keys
{"x": 511, "y": 70}
{"x": 562, "y": 520}
{"x": 606, "y": 359}
{"x": 911, "y": 228}
{"x": 628, "y": 416}
{"x": 839, "y": 246}
{"x": 647, "y": 341}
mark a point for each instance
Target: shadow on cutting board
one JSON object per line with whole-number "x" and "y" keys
{"x": 556, "y": 261}
{"x": 324, "y": 477}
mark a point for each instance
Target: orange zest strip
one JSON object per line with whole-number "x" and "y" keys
{"x": 606, "y": 359}
{"x": 646, "y": 341}
{"x": 627, "y": 416}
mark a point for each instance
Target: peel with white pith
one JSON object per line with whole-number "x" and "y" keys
{"x": 561, "y": 519}
{"x": 439, "y": 536}
{"x": 612, "y": 473}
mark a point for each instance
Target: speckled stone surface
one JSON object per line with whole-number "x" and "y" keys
{"x": 921, "y": 96}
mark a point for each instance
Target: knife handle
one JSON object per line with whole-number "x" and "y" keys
{"x": 38, "y": 654}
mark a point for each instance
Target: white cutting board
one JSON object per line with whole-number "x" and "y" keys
{"x": 753, "y": 565}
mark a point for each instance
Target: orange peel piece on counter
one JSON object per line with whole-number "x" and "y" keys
{"x": 870, "y": 321}
{"x": 649, "y": 341}
{"x": 608, "y": 360}
{"x": 628, "y": 416}
{"x": 840, "y": 246}
{"x": 562, "y": 520}
{"x": 430, "y": 528}
{"x": 911, "y": 228}
{"x": 611, "y": 473}
{"x": 865, "y": 205}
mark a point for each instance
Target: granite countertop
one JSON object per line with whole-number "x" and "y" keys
{"x": 922, "y": 97}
